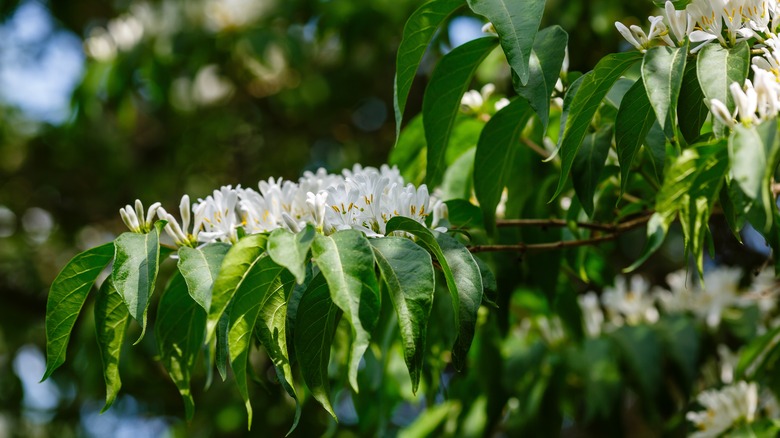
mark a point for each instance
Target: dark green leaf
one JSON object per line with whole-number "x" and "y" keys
{"x": 409, "y": 153}
{"x": 111, "y": 320}
{"x": 545, "y": 67}
{"x": 516, "y": 23}
{"x": 136, "y": 262}
{"x": 315, "y": 326}
{"x": 346, "y": 260}
{"x": 441, "y": 102}
{"x": 418, "y": 32}
{"x": 641, "y": 351}
{"x": 66, "y": 298}
{"x": 588, "y": 165}
{"x": 179, "y": 330}
{"x": 458, "y": 180}
{"x": 634, "y": 119}
{"x": 585, "y": 103}
{"x": 662, "y": 73}
{"x": 291, "y": 250}
{"x": 407, "y": 270}
{"x": 755, "y": 355}
{"x": 200, "y": 267}
{"x": 261, "y": 301}
{"x": 495, "y": 155}
{"x": 463, "y": 214}
{"x": 236, "y": 265}
{"x": 691, "y": 110}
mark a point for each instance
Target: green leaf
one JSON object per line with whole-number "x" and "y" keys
{"x": 291, "y": 250}
{"x": 691, "y": 110}
{"x": 111, "y": 320}
{"x": 407, "y": 270}
{"x": 315, "y": 325}
{"x": 591, "y": 92}
{"x": 753, "y": 153}
{"x": 662, "y": 74}
{"x": 261, "y": 302}
{"x": 418, "y": 32}
{"x": 642, "y": 351}
{"x": 458, "y": 179}
{"x": 588, "y": 165}
{"x": 136, "y": 262}
{"x": 235, "y": 267}
{"x": 718, "y": 67}
{"x": 441, "y": 101}
{"x": 179, "y": 330}
{"x": 200, "y": 267}
{"x": 67, "y": 295}
{"x": 516, "y": 23}
{"x": 495, "y": 155}
{"x": 757, "y": 353}
{"x": 468, "y": 279}
{"x": 346, "y": 260}
{"x": 635, "y": 117}
{"x": 545, "y": 67}
{"x": 409, "y": 153}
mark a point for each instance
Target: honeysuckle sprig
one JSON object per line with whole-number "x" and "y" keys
{"x": 135, "y": 219}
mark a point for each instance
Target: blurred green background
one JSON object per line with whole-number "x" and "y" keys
{"x": 103, "y": 102}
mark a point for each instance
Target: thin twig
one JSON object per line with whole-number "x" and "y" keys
{"x": 553, "y": 223}
{"x": 614, "y": 231}
{"x": 536, "y": 148}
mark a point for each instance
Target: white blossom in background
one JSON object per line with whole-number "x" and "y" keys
{"x": 728, "y": 363}
{"x": 724, "y": 408}
{"x": 473, "y": 101}
{"x": 360, "y": 198}
{"x": 592, "y": 315}
{"x": 630, "y": 302}
{"x": 551, "y": 329}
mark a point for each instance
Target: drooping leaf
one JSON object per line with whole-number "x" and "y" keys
{"x": 346, "y": 260}
{"x": 111, "y": 320}
{"x": 441, "y": 101}
{"x": 260, "y": 302}
{"x": 315, "y": 325}
{"x": 635, "y": 117}
{"x": 585, "y": 103}
{"x": 66, "y": 298}
{"x": 718, "y": 67}
{"x": 495, "y": 155}
{"x": 407, "y": 269}
{"x": 418, "y": 32}
{"x": 200, "y": 267}
{"x": 758, "y": 353}
{"x": 753, "y": 153}
{"x": 691, "y": 110}
{"x": 516, "y": 23}
{"x": 461, "y": 273}
{"x": 136, "y": 262}
{"x": 545, "y": 65}
{"x": 662, "y": 74}
{"x": 180, "y": 329}
{"x": 291, "y": 250}
{"x": 236, "y": 266}
{"x": 588, "y": 165}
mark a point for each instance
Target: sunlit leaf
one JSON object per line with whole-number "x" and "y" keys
{"x": 662, "y": 73}
{"x": 66, "y": 298}
{"x": 291, "y": 250}
{"x": 346, "y": 260}
{"x": 136, "y": 262}
{"x": 200, "y": 267}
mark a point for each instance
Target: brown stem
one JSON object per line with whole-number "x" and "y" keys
{"x": 536, "y": 148}
{"x": 614, "y": 231}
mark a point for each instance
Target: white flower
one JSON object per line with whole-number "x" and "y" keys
{"x": 551, "y": 329}
{"x": 135, "y": 219}
{"x": 724, "y": 408}
{"x": 680, "y": 22}
{"x": 721, "y": 113}
{"x": 317, "y": 204}
{"x": 473, "y": 101}
{"x": 720, "y": 291}
{"x": 180, "y": 233}
{"x": 631, "y": 305}
{"x": 489, "y": 29}
{"x": 219, "y": 216}
{"x": 728, "y": 363}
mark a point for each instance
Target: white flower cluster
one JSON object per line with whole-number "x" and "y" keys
{"x": 704, "y": 21}
{"x": 633, "y": 302}
{"x": 724, "y": 408}
{"x": 364, "y": 199}
{"x": 474, "y": 102}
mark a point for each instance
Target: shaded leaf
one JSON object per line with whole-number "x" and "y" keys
{"x": 180, "y": 329}
{"x": 200, "y": 267}
{"x": 691, "y": 110}
{"x": 407, "y": 269}
{"x": 291, "y": 250}
{"x": 111, "y": 320}
{"x": 66, "y": 298}
{"x": 441, "y": 101}
{"x": 634, "y": 119}
{"x": 588, "y": 165}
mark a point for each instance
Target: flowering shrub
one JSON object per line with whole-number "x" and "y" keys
{"x": 679, "y": 130}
